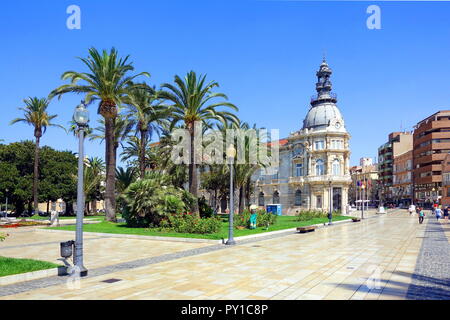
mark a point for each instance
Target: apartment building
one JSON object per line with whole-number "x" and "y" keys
{"x": 402, "y": 184}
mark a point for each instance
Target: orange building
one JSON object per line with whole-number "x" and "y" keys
{"x": 431, "y": 147}
{"x": 402, "y": 185}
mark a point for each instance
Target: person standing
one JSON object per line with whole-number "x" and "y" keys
{"x": 412, "y": 209}
{"x": 446, "y": 213}
{"x": 421, "y": 215}
{"x": 438, "y": 213}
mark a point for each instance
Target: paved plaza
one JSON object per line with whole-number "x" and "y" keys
{"x": 386, "y": 256}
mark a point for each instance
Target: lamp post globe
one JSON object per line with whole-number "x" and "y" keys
{"x": 81, "y": 115}
{"x": 231, "y": 153}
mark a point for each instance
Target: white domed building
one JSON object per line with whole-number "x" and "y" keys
{"x": 313, "y": 172}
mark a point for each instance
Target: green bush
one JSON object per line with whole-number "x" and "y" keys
{"x": 242, "y": 219}
{"x": 205, "y": 210}
{"x": 2, "y": 236}
{"x": 187, "y": 223}
{"x": 263, "y": 219}
{"x": 147, "y": 203}
{"x": 310, "y": 214}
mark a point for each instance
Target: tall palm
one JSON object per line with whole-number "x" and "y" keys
{"x": 35, "y": 114}
{"x": 191, "y": 98}
{"x": 108, "y": 81}
{"x": 97, "y": 167}
{"x": 149, "y": 116}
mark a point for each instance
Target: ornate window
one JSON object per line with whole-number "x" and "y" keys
{"x": 320, "y": 169}
{"x": 298, "y": 198}
{"x": 319, "y": 202}
{"x": 318, "y": 145}
{"x": 261, "y": 199}
{"x": 336, "y": 168}
{"x": 276, "y": 197}
{"x": 299, "y": 169}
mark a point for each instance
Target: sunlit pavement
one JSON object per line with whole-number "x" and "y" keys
{"x": 381, "y": 257}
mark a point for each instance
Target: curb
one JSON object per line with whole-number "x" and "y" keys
{"x": 22, "y": 277}
{"x": 140, "y": 237}
{"x": 196, "y": 240}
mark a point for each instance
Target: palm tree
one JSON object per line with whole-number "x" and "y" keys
{"x": 122, "y": 129}
{"x": 35, "y": 114}
{"x": 97, "y": 167}
{"x": 108, "y": 81}
{"x": 191, "y": 104}
{"x": 149, "y": 116}
{"x": 124, "y": 177}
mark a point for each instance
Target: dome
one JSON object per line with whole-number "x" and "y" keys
{"x": 321, "y": 114}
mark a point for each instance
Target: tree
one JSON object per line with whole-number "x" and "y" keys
{"x": 95, "y": 169}
{"x": 148, "y": 115}
{"x": 108, "y": 81}
{"x": 57, "y": 169}
{"x": 191, "y": 103}
{"x": 35, "y": 114}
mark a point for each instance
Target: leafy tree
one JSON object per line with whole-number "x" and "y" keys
{"x": 149, "y": 116}
{"x": 35, "y": 115}
{"x": 109, "y": 82}
{"x": 191, "y": 99}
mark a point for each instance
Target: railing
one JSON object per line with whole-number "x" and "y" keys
{"x": 316, "y": 97}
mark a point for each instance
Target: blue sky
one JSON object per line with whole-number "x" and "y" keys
{"x": 264, "y": 54}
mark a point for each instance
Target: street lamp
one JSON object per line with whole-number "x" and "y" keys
{"x": 362, "y": 199}
{"x": 330, "y": 191}
{"x": 81, "y": 118}
{"x": 231, "y": 153}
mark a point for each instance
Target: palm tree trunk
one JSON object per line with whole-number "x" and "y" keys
{"x": 241, "y": 199}
{"x": 142, "y": 154}
{"x": 36, "y": 176}
{"x": 94, "y": 206}
{"x": 110, "y": 197}
{"x": 193, "y": 172}
{"x": 247, "y": 193}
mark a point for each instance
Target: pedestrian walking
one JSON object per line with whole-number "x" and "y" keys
{"x": 421, "y": 215}
{"x": 446, "y": 213}
{"x": 438, "y": 213}
{"x": 412, "y": 209}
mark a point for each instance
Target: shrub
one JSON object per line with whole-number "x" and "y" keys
{"x": 311, "y": 214}
{"x": 265, "y": 219}
{"x": 148, "y": 202}
{"x": 205, "y": 210}
{"x": 262, "y": 220}
{"x": 242, "y": 219}
{"x": 187, "y": 223}
{"x": 3, "y": 236}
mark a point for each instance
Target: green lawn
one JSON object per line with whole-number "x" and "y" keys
{"x": 283, "y": 222}
{"x": 10, "y": 266}
{"x": 37, "y": 217}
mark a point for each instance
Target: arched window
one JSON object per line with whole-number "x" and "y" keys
{"x": 261, "y": 199}
{"x": 319, "y": 168}
{"x": 298, "y": 198}
{"x": 336, "y": 168}
{"x": 276, "y": 197}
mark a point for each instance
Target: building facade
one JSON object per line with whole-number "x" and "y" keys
{"x": 402, "y": 184}
{"x": 431, "y": 146}
{"x": 313, "y": 170}
{"x": 366, "y": 173}
{"x": 397, "y": 144}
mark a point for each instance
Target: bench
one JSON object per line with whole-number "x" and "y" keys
{"x": 306, "y": 229}
{"x": 356, "y": 219}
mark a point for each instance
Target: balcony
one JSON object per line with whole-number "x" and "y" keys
{"x": 332, "y": 97}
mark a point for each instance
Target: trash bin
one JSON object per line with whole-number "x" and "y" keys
{"x": 67, "y": 249}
